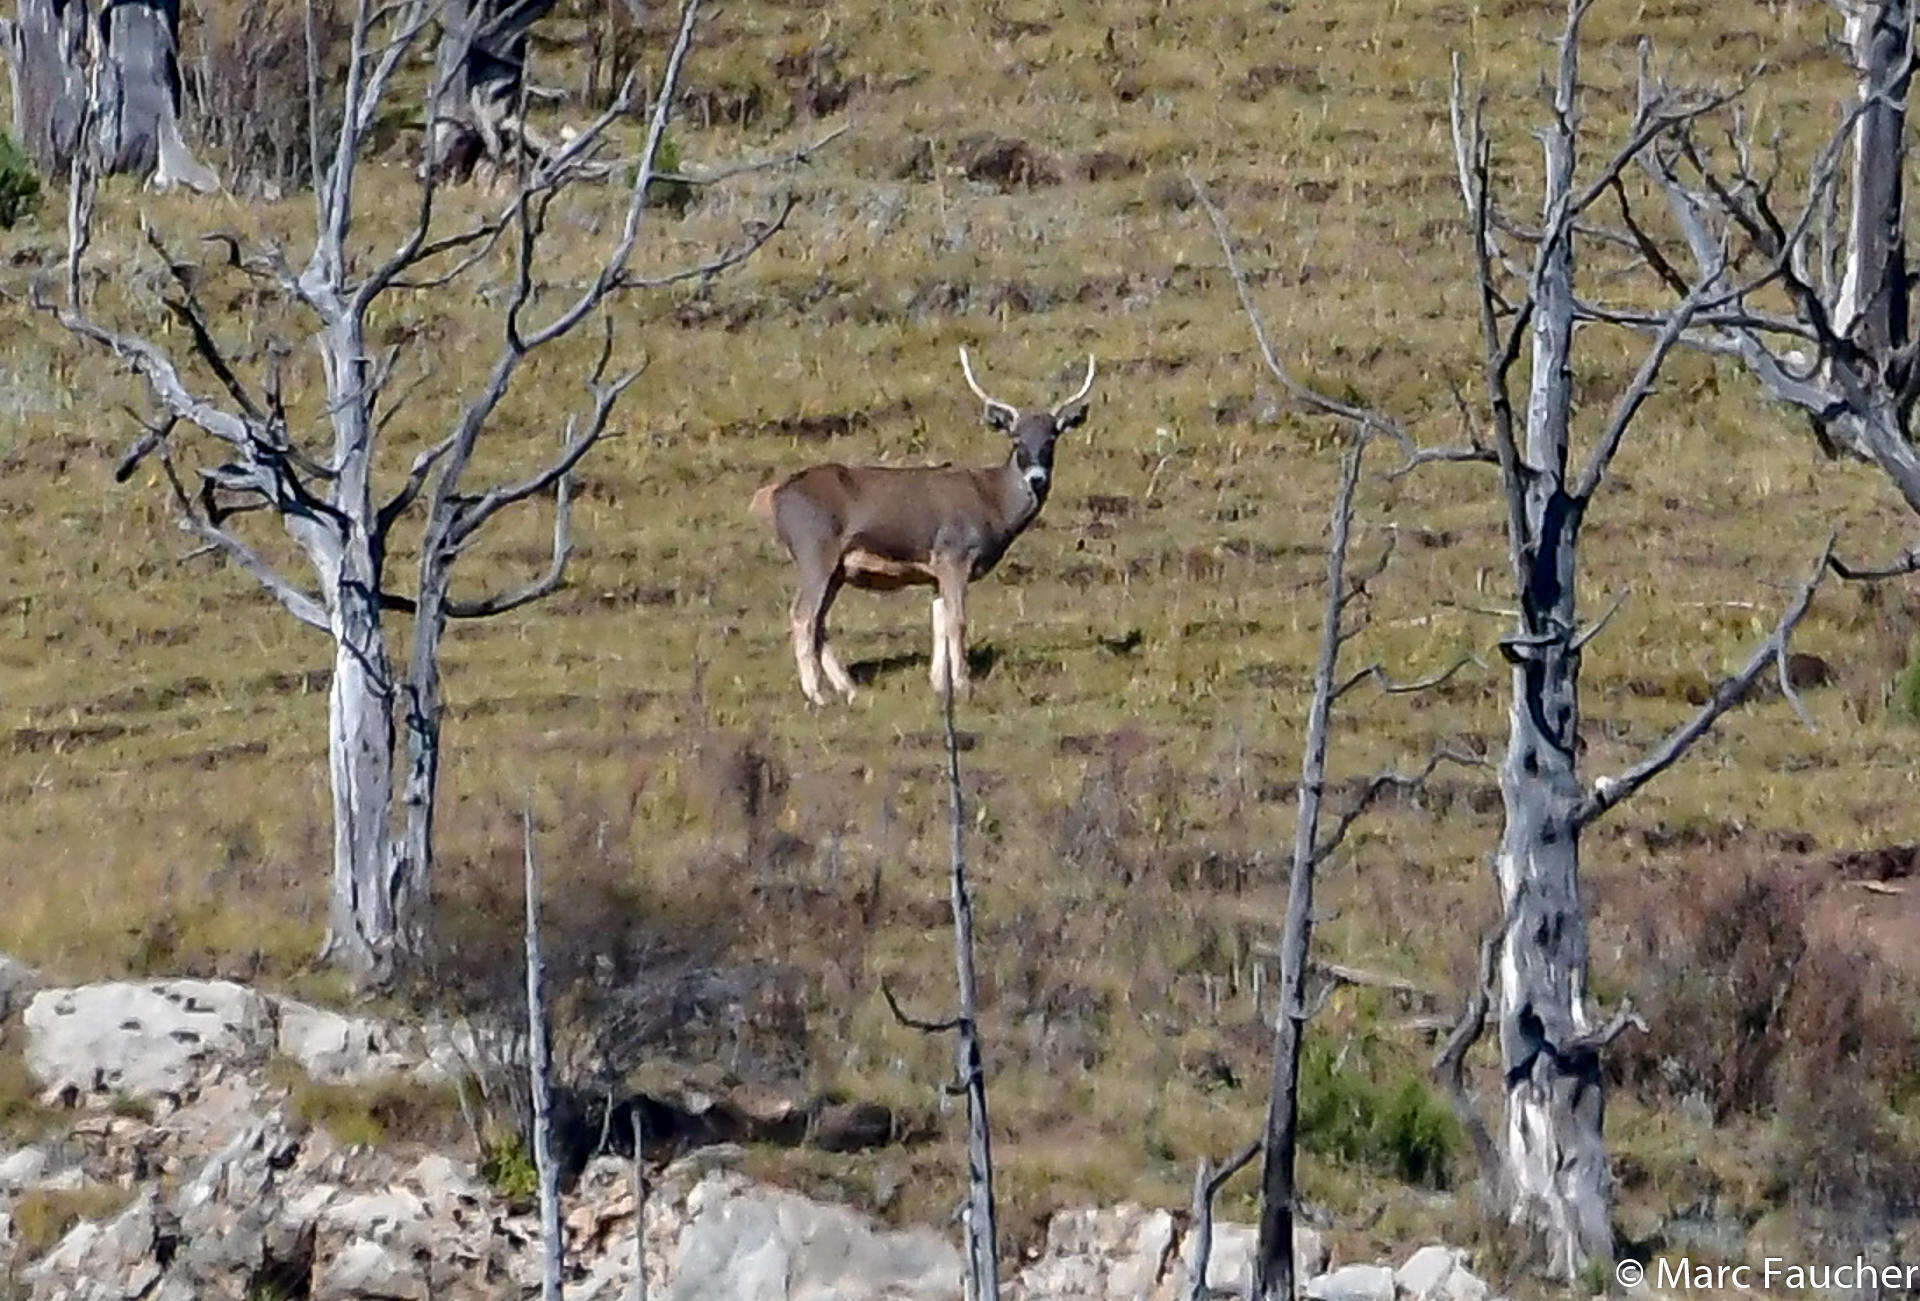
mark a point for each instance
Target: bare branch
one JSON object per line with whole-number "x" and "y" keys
{"x": 1377, "y": 673}
{"x": 1450, "y": 1063}
{"x": 1609, "y": 792}
{"x": 307, "y": 609}
{"x": 916, "y": 1023}
{"x": 1363, "y": 416}
{"x": 1382, "y": 782}
{"x": 533, "y": 590}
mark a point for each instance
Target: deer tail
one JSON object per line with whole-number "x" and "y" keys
{"x": 762, "y": 503}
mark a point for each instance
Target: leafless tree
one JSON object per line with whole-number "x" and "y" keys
{"x": 482, "y": 64}
{"x": 970, "y": 1074}
{"x": 1207, "y": 1183}
{"x": 124, "y": 57}
{"x": 540, "y": 1077}
{"x": 1343, "y": 620}
{"x": 1549, "y": 1171}
{"x": 236, "y": 428}
{"x": 1553, "y": 1160}
{"x": 1843, "y": 354}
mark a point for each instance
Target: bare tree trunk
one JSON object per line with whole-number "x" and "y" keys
{"x": 983, "y": 1261}
{"x": 1872, "y": 306}
{"x": 1556, "y": 1158}
{"x": 1207, "y": 1183}
{"x": 1273, "y": 1273}
{"x": 137, "y": 125}
{"x": 361, "y": 924}
{"x": 482, "y": 66}
{"x": 422, "y": 714}
{"x": 639, "y": 1203}
{"x": 540, "y": 1080}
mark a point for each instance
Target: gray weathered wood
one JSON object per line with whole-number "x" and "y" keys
{"x": 324, "y": 497}
{"x": 50, "y": 48}
{"x": 540, "y": 1076}
{"x": 1554, "y": 1162}
{"x": 983, "y": 1239}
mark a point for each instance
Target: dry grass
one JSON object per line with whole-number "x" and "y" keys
{"x": 162, "y": 772}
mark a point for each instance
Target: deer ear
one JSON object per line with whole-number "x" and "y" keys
{"x": 1072, "y": 418}
{"x": 999, "y": 417}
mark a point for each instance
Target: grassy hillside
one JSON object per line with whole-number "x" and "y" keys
{"x": 1143, "y": 651}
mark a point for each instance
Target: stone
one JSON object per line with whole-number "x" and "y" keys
{"x": 745, "y": 1242}
{"x": 1353, "y": 1283}
{"x": 1439, "y": 1273}
{"x": 1118, "y": 1252}
{"x": 337, "y": 1049}
{"x": 154, "y": 1040}
{"x": 1230, "y": 1263}
{"x": 22, "y": 1170}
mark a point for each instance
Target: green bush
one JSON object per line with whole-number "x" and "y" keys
{"x": 508, "y": 1168}
{"x": 19, "y": 186}
{"x": 675, "y": 196}
{"x": 1395, "y": 1126}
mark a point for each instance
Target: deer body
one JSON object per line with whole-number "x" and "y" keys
{"x": 883, "y": 528}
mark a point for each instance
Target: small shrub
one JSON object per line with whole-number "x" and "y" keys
{"x": 507, "y": 1167}
{"x": 43, "y": 1216}
{"x": 675, "y": 196}
{"x": 1400, "y": 1127}
{"x": 21, "y": 1115}
{"x": 19, "y": 185}
{"x": 373, "y": 1115}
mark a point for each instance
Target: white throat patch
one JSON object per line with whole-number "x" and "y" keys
{"x": 1036, "y": 477}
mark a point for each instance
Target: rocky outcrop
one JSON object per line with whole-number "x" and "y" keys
{"x": 142, "y": 1041}
{"x": 229, "y": 1199}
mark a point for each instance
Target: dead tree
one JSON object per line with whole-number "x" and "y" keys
{"x": 482, "y": 63}
{"x": 1343, "y": 620}
{"x": 1549, "y": 1168}
{"x": 226, "y": 422}
{"x": 126, "y": 57}
{"x": 969, "y": 1060}
{"x": 1207, "y": 1183}
{"x": 540, "y": 1078}
{"x": 1554, "y": 1165}
{"x": 1843, "y": 354}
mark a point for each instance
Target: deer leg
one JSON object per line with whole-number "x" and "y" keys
{"x": 805, "y": 625}
{"x": 953, "y": 599}
{"x": 837, "y": 676}
{"x": 938, "y": 670}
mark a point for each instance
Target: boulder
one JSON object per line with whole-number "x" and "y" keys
{"x": 1230, "y": 1264}
{"x": 337, "y": 1049}
{"x": 161, "y": 1039}
{"x": 1438, "y": 1273}
{"x": 1118, "y": 1252}
{"x": 1353, "y": 1283}
{"x": 747, "y": 1242}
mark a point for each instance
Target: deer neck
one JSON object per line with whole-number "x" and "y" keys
{"x": 1022, "y": 493}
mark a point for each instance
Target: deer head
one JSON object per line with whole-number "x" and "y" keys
{"x": 1033, "y": 432}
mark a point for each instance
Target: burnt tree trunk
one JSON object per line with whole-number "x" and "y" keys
{"x": 136, "y": 126}
{"x": 481, "y": 73}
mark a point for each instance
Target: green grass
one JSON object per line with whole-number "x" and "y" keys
{"x": 162, "y": 769}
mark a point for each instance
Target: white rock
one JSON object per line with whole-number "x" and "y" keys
{"x": 1353, "y": 1283}
{"x": 1439, "y": 1273}
{"x": 745, "y": 1242}
{"x": 142, "y": 1040}
{"x": 1230, "y": 1264}
{"x": 337, "y": 1049}
{"x": 23, "y": 1169}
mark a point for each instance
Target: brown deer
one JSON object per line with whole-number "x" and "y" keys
{"x": 883, "y": 528}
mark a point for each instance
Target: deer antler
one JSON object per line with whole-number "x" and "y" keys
{"x": 966, "y": 368}
{"x": 1083, "y": 390}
